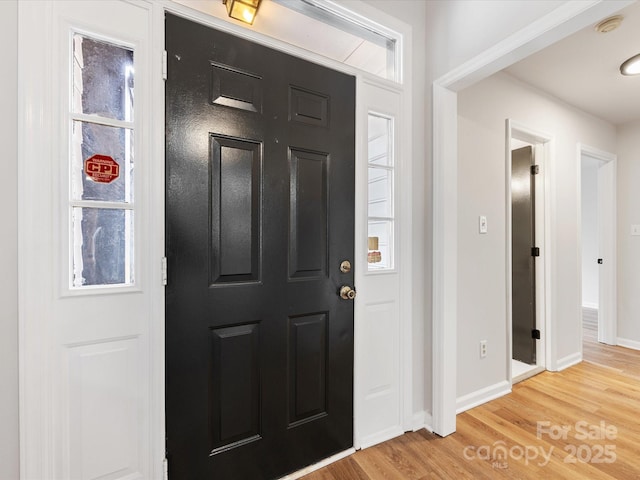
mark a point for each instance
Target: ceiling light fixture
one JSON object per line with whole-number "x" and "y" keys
{"x": 631, "y": 66}
{"x": 243, "y": 10}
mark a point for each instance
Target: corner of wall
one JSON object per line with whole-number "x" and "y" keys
{"x": 9, "y": 397}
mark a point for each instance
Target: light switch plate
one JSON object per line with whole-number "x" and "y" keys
{"x": 482, "y": 222}
{"x": 635, "y": 230}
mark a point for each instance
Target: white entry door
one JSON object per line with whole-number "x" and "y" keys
{"x": 86, "y": 255}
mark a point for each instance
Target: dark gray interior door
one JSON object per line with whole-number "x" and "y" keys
{"x": 260, "y": 214}
{"x": 523, "y": 259}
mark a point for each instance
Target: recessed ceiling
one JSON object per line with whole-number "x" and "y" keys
{"x": 584, "y": 70}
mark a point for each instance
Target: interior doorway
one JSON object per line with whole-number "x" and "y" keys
{"x": 523, "y": 256}
{"x": 527, "y": 163}
{"x": 589, "y": 232}
{"x": 598, "y": 242}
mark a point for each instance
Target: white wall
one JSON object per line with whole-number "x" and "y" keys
{"x": 9, "y": 433}
{"x": 483, "y": 109}
{"x": 458, "y": 30}
{"x": 628, "y": 246}
{"x": 590, "y": 287}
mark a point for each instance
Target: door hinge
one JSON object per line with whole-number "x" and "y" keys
{"x": 535, "y": 334}
{"x": 165, "y": 468}
{"x": 164, "y": 270}
{"x": 599, "y": 261}
{"x": 164, "y": 64}
{"x": 535, "y": 251}
{"x": 535, "y": 169}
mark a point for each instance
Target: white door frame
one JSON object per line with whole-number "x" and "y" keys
{"x": 607, "y": 240}
{"x": 563, "y": 21}
{"x": 377, "y": 19}
{"x": 544, "y": 148}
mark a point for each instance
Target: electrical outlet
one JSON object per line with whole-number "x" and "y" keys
{"x": 483, "y": 348}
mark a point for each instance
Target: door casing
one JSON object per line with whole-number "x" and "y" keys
{"x": 543, "y": 148}
{"x": 607, "y": 320}
{"x": 411, "y": 416}
{"x": 543, "y": 154}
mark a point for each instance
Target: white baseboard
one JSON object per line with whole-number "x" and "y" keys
{"x": 592, "y": 306}
{"x": 568, "y": 361}
{"x": 379, "y": 437}
{"x": 483, "y": 395}
{"x": 421, "y": 420}
{"x": 319, "y": 465}
{"x": 625, "y": 342}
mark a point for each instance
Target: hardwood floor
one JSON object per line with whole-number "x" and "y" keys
{"x": 581, "y": 423}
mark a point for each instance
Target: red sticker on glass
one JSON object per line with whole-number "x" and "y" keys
{"x": 101, "y": 168}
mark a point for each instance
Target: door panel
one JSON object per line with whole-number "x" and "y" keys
{"x": 607, "y": 314}
{"x": 384, "y": 319}
{"x": 523, "y": 263}
{"x": 236, "y": 171}
{"x": 260, "y": 202}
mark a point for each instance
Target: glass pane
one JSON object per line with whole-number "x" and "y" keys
{"x": 380, "y": 241}
{"x": 380, "y": 192}
{"x": 334, "y": 36}
{"x": 379, "y": 149}
{"x": 102, "y": 163}
{"x": 102, "y": 247}
{"x": 376, "y": 58}
{"x": 102, "y": 79}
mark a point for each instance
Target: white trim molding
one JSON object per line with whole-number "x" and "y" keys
{"x": 484, "y": 395}
{"x": 422, "y": 420}
{"x": 381, "y": 436}
{"x": 445, "y": 258}
{"x": 626, "y": 343}
{"x": 544, "y": 145}
{"x": 568, "y": 361}
{"x": 607, "y": 240}
{"x": 33, "y": 96}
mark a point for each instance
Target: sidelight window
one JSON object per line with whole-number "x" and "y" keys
{"x": 380, "y": 192}
{"x": 101, "y": 163}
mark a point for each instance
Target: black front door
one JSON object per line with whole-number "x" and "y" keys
{"x": 260, "y": 215}
{"x": 523, "y": 285}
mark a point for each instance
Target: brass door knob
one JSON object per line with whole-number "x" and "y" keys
{"x": 347, "y": 293}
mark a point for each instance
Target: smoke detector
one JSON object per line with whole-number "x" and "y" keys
{"x": 609, "y": 24}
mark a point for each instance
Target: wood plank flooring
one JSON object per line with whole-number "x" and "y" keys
{"x": 590, "y": 429}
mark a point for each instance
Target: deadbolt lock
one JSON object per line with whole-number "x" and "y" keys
{"x": 347, "y": 293}
{"x": 345, "y": 266}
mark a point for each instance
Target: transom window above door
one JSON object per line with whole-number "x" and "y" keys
{"x": 327, "y": 29}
